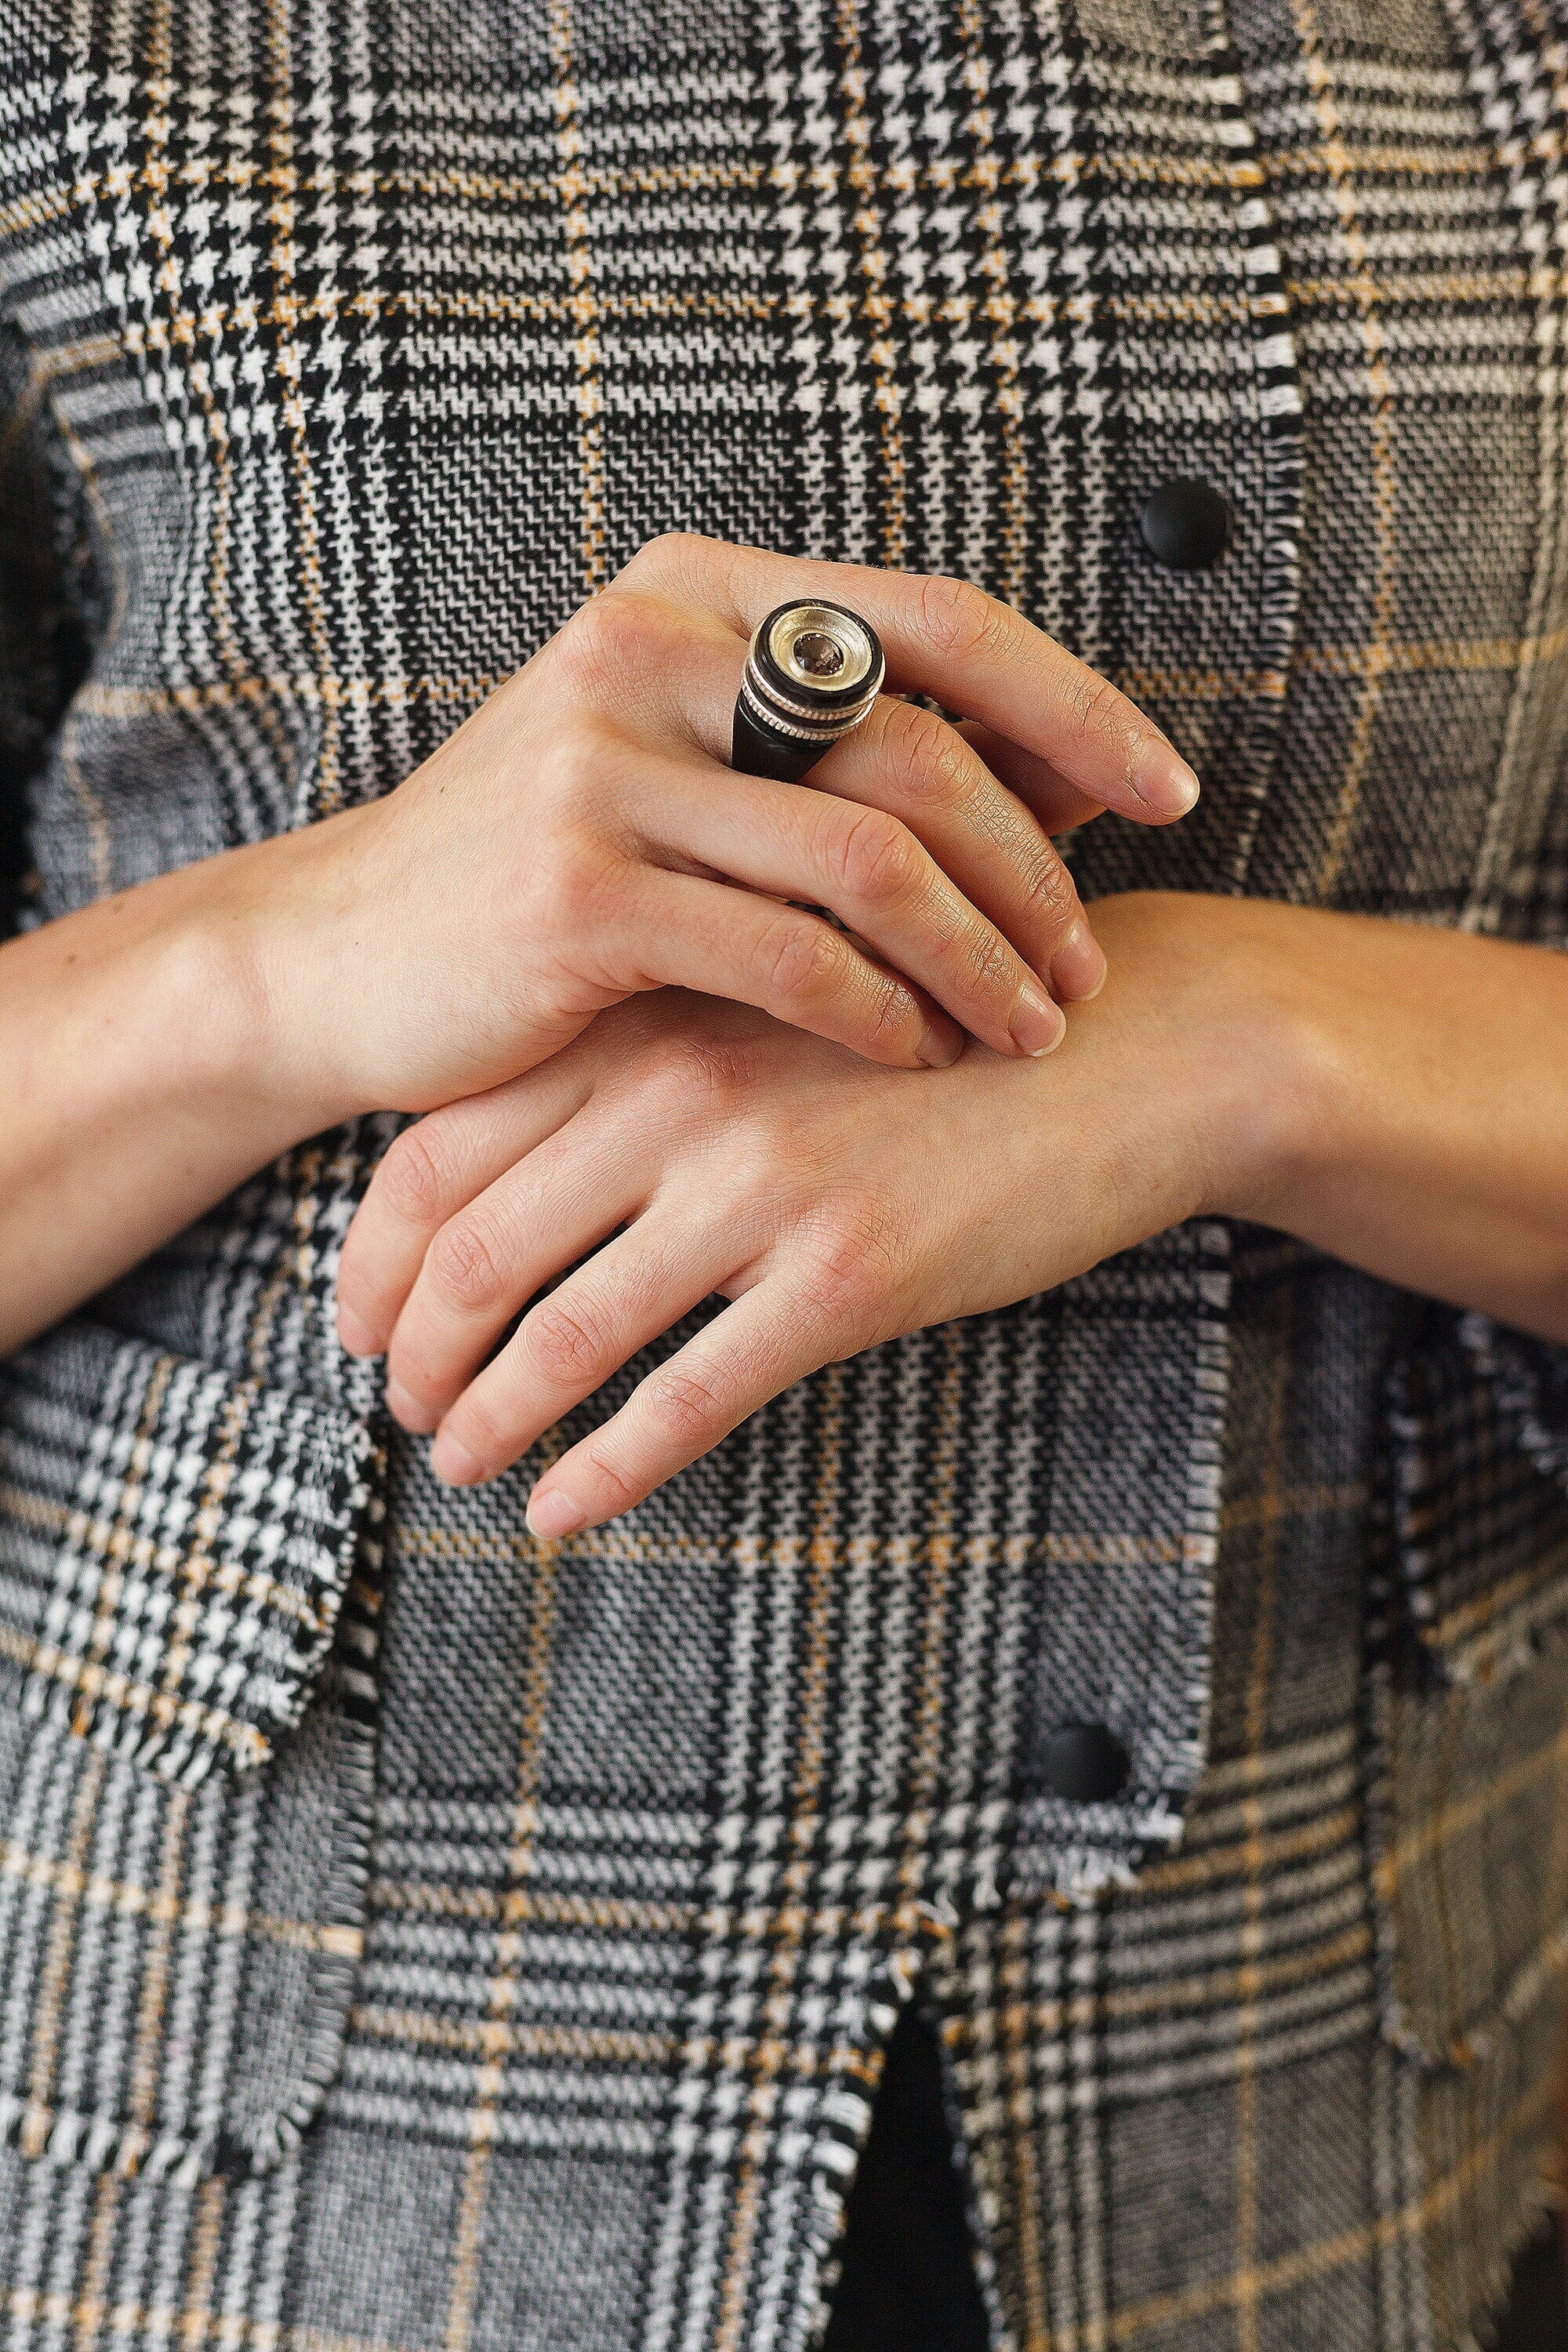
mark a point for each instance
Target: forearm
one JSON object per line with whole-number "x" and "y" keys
{"x": 1413, "y": 1087}
{"x": 138, "y": 1065}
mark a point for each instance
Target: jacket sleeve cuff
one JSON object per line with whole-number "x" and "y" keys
{"x": 175, "y": 1545}
{"x": 1529, "y": 1379}
{"x": 1479, "y": 1497}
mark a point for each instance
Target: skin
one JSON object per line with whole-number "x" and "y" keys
{"x": 641, "y": 1047}
{"x": 1394, "y": 1096}
{"x": 579, "y": 840}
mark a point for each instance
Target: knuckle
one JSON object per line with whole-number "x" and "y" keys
{"x": 615, "y": 1487}
{"x": 411, "y": 1179}
{"x": 484, "y": 1436}
{"x": 562, "y": 1341}
{"x": 963, "y": 621}
{"x": 583, "y": 759}
{"x": 1049, "y": 890}
{"x": 1096, "y": 705}
{"x": 685, "y": 1404}
{"x": 928, "y": 758}
{"x": 878, "y": 860}
{"x": 890, "y": 1010}
{"x": 991, "y": 966}
{"x": 463, "y": 1265}
{"x": 666, "y": 552}
{"x": 605, "y": 638}
{"x": 799, "y": 960}
{"x": 853, "y": 1265}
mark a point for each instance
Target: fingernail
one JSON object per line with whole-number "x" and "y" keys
{"x": 1077, "y": 967}
{"x": 416, "y": 1418}
{"x": 1037, "y": 1026}
{"x": 553, "y": 1514}
{"x": 1165, "y": 783}
{"x": 356, "y": 1338}
{"x": 452, "y": 1462}
{"x": 940, "y": 1048}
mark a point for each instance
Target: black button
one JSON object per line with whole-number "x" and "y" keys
{"x": 1085, "y": 1761}
{"x": 1186, "y": 525}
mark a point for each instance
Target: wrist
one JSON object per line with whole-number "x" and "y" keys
{"x": 132, "y": 1040}
{"x": 275, "y": 933}
{"x": 246, "y": 1055}
{"x": 1247, "y": 1041}
{"x": 138, "y": 1012}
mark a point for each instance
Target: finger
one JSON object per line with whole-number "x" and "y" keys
{"x": 1058, "y": 805}
{"x": 912, "y": 765}
{"x": 1014, "y": 910}
{"x": 429, "y": 1171}
{"x": 760, "y": 1345}
{"x": 569, "y": 1344}
{"x": 948, "y": 639}
{"x": 877, "y": 876}
{"x": 684, "y": 932}
{"x": 489, "y": 1259}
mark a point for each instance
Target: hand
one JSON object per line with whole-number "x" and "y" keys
{"x": 581, "y": 839}
{"x": 695, "y": 1146}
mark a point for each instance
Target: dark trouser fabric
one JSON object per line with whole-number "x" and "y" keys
{"x": 1537, "y": 2317}
{"x": 907, "y": 2275}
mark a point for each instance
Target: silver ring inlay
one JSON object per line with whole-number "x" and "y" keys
{"x": 814, "y": 646}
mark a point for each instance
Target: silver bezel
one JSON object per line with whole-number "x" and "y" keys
{"x": 803, "y": 718}
{"x": 842, "y": 630}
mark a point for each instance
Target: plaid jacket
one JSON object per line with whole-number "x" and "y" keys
{"x": 415, "y": 1939}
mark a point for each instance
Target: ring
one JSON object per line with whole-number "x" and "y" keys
{"x": 813, "y": 671}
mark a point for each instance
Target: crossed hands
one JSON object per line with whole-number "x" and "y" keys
{"x": 657, "y": 1073}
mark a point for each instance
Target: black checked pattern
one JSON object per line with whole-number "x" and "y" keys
{"x": 343, "y": 350}
{"x": 190, "y": 1573}
{"x": 1479, "y": 1472}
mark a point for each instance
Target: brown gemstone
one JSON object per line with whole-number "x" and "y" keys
{"x": 817, "y": 655}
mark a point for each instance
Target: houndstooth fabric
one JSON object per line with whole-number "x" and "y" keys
{"x": 187, "y": 1544}
{"x": 508, "y": 1966}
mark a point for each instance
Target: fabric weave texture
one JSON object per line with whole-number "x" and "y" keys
{"x": 418, "y": 1938}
